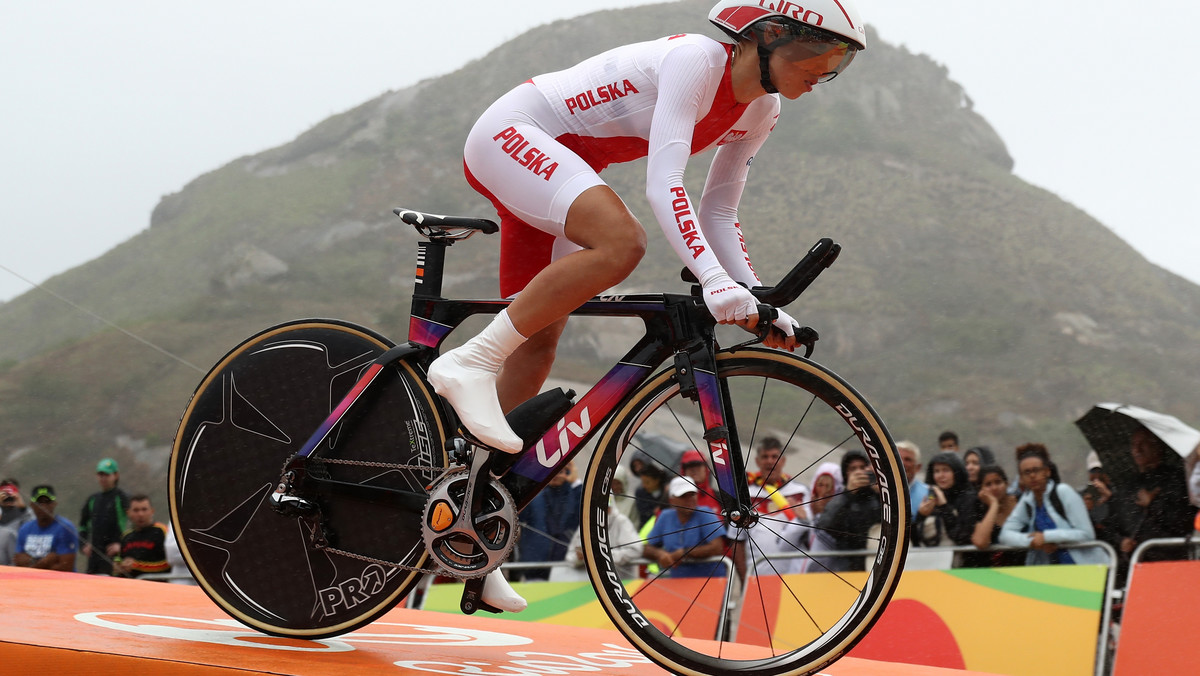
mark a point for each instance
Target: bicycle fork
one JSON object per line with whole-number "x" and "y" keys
{"x": 696, "y": 372}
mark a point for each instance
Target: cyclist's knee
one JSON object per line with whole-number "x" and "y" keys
{"x": 627, "y": 253}
{"x": 623, "y": 245}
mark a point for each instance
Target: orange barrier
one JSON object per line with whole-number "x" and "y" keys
{"x": 1161, "y": 620}
{"x": 72, "y": 623}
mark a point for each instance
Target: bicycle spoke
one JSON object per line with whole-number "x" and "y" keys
{"x": 821, "y": 458}
{"x": 684, "y": 429}
{"x": 762, "y": 394}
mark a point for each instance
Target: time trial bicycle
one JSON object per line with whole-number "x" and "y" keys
{"x": 316, "y": 477}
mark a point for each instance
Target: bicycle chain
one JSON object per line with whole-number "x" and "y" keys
{"x": 383, "y": 465}
{"x": 388, "y": 465}
{"x": 381, "y": 562}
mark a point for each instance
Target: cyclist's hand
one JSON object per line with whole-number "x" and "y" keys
{"x": 729, "y": 302}
{"x": 783, "y": 335}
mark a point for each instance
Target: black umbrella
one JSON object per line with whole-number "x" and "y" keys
{"x": 1109, "y": 430}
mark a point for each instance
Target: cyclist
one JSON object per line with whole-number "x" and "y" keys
{"x": 536, "y": 154}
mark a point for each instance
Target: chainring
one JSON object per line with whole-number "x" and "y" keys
{"x": 469, "y": 548}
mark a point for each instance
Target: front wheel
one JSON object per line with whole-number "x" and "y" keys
{"x": 753, "y": 612}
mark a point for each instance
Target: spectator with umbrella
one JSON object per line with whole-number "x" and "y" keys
{"x": 1143, "y": 452}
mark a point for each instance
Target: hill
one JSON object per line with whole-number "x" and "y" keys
{"x": 965, "y": 298}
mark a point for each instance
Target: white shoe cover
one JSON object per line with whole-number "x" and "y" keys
{"x": 499, "y": 594}
{"x": 466, "y": 377}
{"x": 472, "y": 393}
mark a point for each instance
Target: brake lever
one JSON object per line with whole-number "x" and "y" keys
{"x": 805, "y": 335}
{"x": 766, "y": 318}
{"x": 808, "y": 337}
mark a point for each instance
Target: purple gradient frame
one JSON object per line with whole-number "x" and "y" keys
{"x": 427, "y": 332}
{"x": 335, "y": 416}
{"x": 547, "y": 456}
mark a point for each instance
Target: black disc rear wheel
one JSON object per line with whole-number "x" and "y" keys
{"x": 253, "y": 411}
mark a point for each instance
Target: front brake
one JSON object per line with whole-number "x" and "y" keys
{"x": 805, "y": 335}
{"x": 808, "y": 337}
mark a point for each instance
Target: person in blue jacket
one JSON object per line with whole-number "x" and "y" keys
{"x": 1048, "y": 515}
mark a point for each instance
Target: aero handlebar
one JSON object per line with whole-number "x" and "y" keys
{"x": 820, "y": 256}
{"x": 794, "y": 283}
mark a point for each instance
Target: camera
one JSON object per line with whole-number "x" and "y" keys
{"x": 872, "y": 478}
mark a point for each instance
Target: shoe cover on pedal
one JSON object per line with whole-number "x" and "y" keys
{"x": 499, "y": 594}
{"x": 466, "y": 377}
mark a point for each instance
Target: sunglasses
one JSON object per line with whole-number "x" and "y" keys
{"x": 824, "y": 52}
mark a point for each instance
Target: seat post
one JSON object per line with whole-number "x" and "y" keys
{"x": 431, "y": 257}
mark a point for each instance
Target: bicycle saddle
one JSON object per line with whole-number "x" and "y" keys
{"x": 436, "y": 225}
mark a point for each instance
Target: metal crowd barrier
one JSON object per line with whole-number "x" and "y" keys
{"x": 1190, "y": 541}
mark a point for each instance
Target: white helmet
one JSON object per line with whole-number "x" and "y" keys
{"x": 827, "y": 28}
{"x": 839, "y": 17}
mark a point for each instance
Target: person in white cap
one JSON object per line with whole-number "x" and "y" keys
{"x": 685, "y": 533}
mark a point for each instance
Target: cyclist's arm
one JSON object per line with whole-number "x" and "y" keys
{"x": 682, "y": 84}
{"x": 723, "y": 191}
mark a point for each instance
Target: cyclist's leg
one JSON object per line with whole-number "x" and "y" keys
{"x": 528, "y": 174}
{"x": 526, "y": 369}
{"x": 524, "y": 252}
{"x": 612, "y": 243}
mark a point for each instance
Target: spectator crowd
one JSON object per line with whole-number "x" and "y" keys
{"x": 116, "y": 534}
{"x": 959, "y": 498}
{"x": 665, "y": 520}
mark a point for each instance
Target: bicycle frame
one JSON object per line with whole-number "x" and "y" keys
{"x": 675, "y": 325}
{"x": 370, "y": 504}
{"x": 667, "y": 332}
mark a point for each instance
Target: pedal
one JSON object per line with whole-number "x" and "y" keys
{"x": 472, "y": 598}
